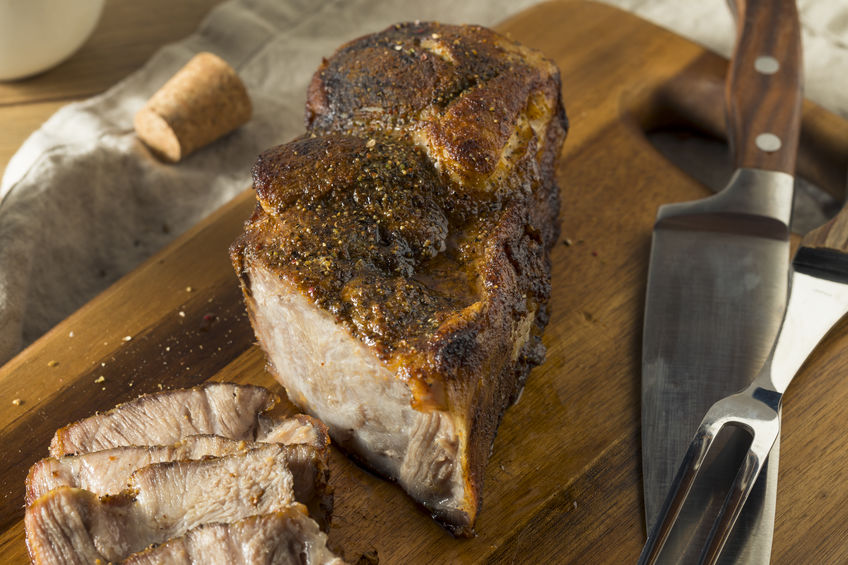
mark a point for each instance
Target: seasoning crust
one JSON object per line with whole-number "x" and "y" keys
{"x": 410, "y": 227}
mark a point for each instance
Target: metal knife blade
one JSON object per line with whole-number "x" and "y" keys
{"x": 718, "y": 276}
{"x": 717, "y": 288}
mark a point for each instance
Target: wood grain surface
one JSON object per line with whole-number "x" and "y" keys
{"x": 563, "y": 484}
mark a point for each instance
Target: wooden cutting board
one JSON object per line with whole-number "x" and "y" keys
{"x": 564, "y": 483}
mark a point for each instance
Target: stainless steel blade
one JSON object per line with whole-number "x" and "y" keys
{"x": 717, "y": 288}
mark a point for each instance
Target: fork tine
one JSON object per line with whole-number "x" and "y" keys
{"x": 732, "y": 507}
{"x": 764, "y": 436}
{"x": 680, "y": 488}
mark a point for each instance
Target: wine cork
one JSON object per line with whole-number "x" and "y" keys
{"x": 203, "y": 101}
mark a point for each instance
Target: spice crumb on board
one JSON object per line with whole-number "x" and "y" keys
{"x": 71, "y": 333}
{"x": 127, "y": 338}
{"x": 52, "y": 363}
{"x": 17, "y": 401}
{"x": 100, "y": 379}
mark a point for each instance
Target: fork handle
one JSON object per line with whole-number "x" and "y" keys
{"x": 763, "y": 88}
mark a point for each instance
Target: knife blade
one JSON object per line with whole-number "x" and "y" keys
{"x": 818, "y": 300}
{"x": 717, "y": 282}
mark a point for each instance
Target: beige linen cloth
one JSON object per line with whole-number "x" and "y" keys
{"x": 83, "y": 202}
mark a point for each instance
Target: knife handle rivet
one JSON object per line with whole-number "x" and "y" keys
{"x": 766, "y": 65}
{"x": 768, "y": 142}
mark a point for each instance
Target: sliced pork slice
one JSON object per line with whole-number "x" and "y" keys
{"x": 107, "y": 471}
{"x": 166, "y": 500}
{"x": 282, "y": 538}
{"x": 297, "y": 429}
{"x": 223, "y": 409}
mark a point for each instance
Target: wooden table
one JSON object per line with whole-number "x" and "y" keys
{"x": 564, "y": 481}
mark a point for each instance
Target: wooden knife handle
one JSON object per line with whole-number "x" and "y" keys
{"x": 763, "y": 88}
{"x": 832, "y": 235}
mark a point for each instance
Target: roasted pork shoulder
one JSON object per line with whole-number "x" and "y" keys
{"x": 287, "y": 537}
{"x": 396, "y": 267}
{"x": 166, "y": 500}
{"x": 223, "y": 409}
{"x": 107, "y": 471}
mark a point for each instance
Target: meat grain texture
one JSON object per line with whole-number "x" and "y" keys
{"x": 224, "y": 409}
{"x": 287, "y": 537}
{"x": 396, "y": 267}
{"x": 167, "y": 500}
{"x": 107, "y": 472}
{"x": 234, "y": 474}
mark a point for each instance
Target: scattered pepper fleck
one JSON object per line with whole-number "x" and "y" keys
{"x": 100, "y": 379}
{"x": 52, "y": 363}
{"x": 127, "y": 338}
{"x": 189, "y": 289}
{"x": 17, "y": 402}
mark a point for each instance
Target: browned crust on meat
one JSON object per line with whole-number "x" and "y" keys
{"x": 466, "y": 98}
{"x": 464, "y": 87}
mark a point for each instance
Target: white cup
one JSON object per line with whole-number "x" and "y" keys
{"x": 38, "y": 34}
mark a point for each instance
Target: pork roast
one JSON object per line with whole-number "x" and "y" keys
{"x": 107, "y": 471}
{"x": 287, "y": 537}
{"x": 223, "y": 409}
{"x": 396, "y": 268}
{"x": 166, "y": 500}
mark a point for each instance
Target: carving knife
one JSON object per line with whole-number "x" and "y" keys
{"x": 718, "y": 282}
